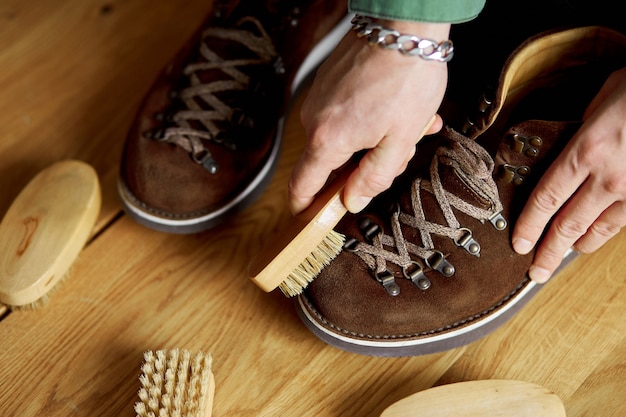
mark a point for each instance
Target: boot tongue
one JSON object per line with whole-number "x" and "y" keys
{"x": 460, "y": 169}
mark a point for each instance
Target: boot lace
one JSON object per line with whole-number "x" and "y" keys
{"x": 474, "y": 166}
{"x": 194, "y": 124}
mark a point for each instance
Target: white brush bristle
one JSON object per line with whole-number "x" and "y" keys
{"x": 313, "y": 264}
{"x": 175, "y": 384}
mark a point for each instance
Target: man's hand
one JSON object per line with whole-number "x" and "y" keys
{"x": 365, "y": 97}
{"x": 584, "y": 190}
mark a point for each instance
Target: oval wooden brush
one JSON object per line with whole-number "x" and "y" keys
{"x": 493, "y": 398}
{"x": 293, "y": 257}
{"x": 44, "y": 230}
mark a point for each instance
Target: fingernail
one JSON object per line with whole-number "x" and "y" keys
{"x": 522, "y": 246}
{"x": 356, "y": 204}
{"x": 538, "y": 274}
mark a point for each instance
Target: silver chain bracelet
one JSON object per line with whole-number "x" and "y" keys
{"x": 406, "y": 44}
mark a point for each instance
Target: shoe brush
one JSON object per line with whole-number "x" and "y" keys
{"x": 44, "y": 230}
{"x": 493, "y": 398}
{"x": 296, "y": 255}
{"x": 175, "y": 384}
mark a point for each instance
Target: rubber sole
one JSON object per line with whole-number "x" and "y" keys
{"x": 437, "y": 342}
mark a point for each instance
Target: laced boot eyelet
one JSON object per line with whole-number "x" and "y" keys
{"x": 205, "y": 159}
{"x": 498, "y": 221}
{"x": 415, "y": 273}
{"x": 225, "y": 139}
{"x": 513, "y": 174}
{"x": 387, "y": 279}
{"x": 155, "y": 134}
{"x": 467, "y": 242}
{"x": 438, "y": 262}
{"x": 350, "y": 244}
{"x": 369, "y": 228}
{"x": 166, "y": 117}
{"x": 485, "y": 103}
{"x": 527, "y": 145}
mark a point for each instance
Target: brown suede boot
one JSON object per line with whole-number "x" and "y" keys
{"x": 206, "y": 140}
{"x": 435, "y": 269}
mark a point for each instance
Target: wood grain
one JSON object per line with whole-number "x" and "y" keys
{"x": 73, "y": 74}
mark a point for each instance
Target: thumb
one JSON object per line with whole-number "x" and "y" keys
{"x": 380, "y": 166}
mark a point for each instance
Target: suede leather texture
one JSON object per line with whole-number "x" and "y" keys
{"x": 161, "y": 178}
{"x": 542, "y": 91}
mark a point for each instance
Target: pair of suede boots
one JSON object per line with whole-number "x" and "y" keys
{"x": 428, "y": 265}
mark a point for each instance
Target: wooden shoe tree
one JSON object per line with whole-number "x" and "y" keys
{"x": 493, "y": 398}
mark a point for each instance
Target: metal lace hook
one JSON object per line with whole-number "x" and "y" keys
{"x": 416, "y": 275}
{"x": 467, "y": 242}
{"x": 369, "y": 229}
{"x": 205, "y": 159}
{"x": 350, "y": 244}
{"x": 438, "y": 262}
{"x": 498, "y": 221}
{"x": 389, "y": 282}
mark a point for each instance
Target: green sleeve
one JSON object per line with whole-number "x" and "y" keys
{"x": 436, "y": 11}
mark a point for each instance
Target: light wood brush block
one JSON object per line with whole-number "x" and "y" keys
{"x": 45, "y": 229}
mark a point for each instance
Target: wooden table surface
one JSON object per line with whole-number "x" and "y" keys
{"x": 72, "y": 74}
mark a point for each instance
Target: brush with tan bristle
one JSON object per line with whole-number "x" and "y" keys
{"x": 294, "y": 257}
{"x": 44, "y": 230}
{"x": 176, "y": 384}
{"x": 297, "y": 254}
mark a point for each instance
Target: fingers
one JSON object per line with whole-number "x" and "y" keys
{"x": 309, "y": 176}
{"x": 365, "y": 98}
{"x": 575, "y": 220}
{"x": 375, "y": 172}
{"x": 558, "y": 191}
{"x": 590, "y": 217}
{"x": 582, "y": 194}
{"x": 556, "y": 186}
{"x": 604, "y": 228}
{"x": 380, "y": 166}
